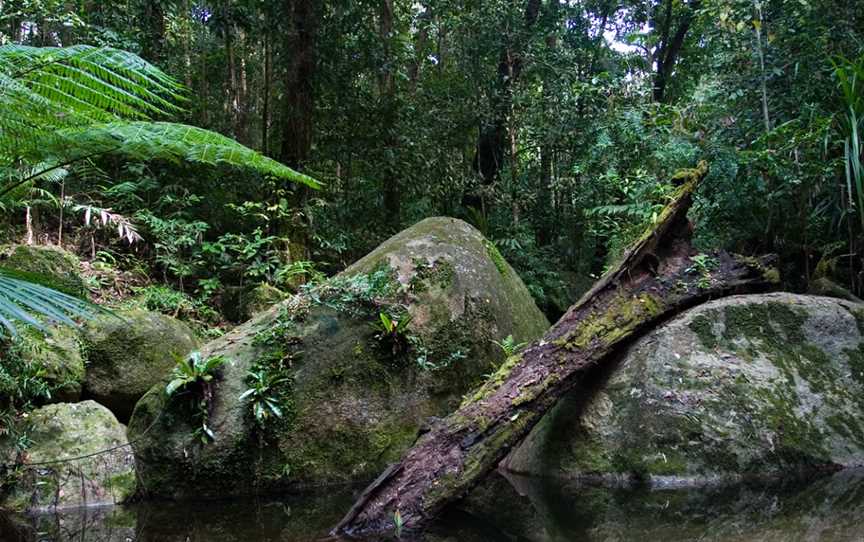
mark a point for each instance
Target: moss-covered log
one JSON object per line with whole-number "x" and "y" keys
{"x": 659, "y": 276}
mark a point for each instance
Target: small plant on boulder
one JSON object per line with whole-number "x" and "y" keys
{"x": 195, "y": 374}
{"x": 265, "y": 394}
{"x": 392, "y": 331}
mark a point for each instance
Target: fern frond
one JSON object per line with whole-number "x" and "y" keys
{"x": 162, "y": 141}
{"x": 62, "y": 105}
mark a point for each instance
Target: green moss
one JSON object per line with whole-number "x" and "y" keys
{"x": 49, "y": 266}
{"x": 771, "y": 275}
{"x": 856, "y": 362}
{"x": 261, "y": 298}
{"x": 438, "y": 274}
{"x": 703, "y": 327}
{"x": 621, "y": 316}
{"x": 495, "y": 380}
{"x": 592, "y": 457}
{"x": 122, "y": 485}
{"x": 686, "y": 175}
{"x": 497, "y": 258}
{"x": 775, "y": 324}
{"x": 800, "y": 442}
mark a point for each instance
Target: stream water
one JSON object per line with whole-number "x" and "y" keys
{"x": 829, "y": 509}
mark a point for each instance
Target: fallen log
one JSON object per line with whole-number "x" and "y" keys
{"x": 656, "y": 279}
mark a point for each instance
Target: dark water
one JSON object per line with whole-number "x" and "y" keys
{"x": 829, "y": 509}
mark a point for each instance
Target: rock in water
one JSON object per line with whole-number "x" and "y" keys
{"x": 59, "y": 432}
{"x": 352, "y": 397}
{"x": 128, "y": 353}
{"x": 748, "y": 386}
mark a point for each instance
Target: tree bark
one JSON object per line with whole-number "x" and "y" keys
{"x": 391, "y": 188}
{"x": 299, "y": 57}
{"x": 670, "y": 47}
{"x": 300, "y": 63}
{"x": 654, "y": 281}
{"x": 154, "y": 32}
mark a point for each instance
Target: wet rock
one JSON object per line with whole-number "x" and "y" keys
{"x": 748, "y": 386}
{"x": 78, "y": 456}
{"x": 352, "y": 396}
{"x": 128, "y": 353}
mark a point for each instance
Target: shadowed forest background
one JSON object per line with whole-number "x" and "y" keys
{"x": 552, "y": 126}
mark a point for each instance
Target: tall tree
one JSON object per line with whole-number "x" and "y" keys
{"x": 301, "y": 21}
{"x": 672, "y": 31}
{"x": 493, "y": 139}
{"x": 153, "y": 25}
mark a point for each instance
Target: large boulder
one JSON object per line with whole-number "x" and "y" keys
{"x": 54, "y": 353}
{"x": 748, "y": 386}
{"x": 239, "y": 304}
{"x": 47, "y": 265}
{"x": 352, "y": 397}
{"x": 128, "y": 352}
{"x": 78, "y": 455}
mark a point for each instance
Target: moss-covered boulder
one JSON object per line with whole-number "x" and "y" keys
{"x": 46, "y": 265}
{"x": 261, "y": 298}
{"x": 128, "y": 352}
{"x": 748, "y": 386}
{"x": 56, "y": 354}
{"x": 55, "y": 473}
{"x": 352, "y": 394}
{"x": 239, "y": 304}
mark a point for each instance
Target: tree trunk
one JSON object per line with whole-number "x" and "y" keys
{"x": 492, "y": 142}
{"x": 670, "y": 47}
{"x": 654, "y": 281}
{"x": 420, "y": 43}
{"x": 300, "y": 60}
{"x": 391, "y": 188}
{"x": 154, "y": 32}
{"x": 265, "y": 109}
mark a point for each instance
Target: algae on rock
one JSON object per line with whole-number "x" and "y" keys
{"x": 355, "y": 404}
{"x": 749, "y": 386}
{"x": 128, "y": 353}
{"x": 47, "y": 265}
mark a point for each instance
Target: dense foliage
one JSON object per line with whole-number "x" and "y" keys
{"x": 553, "y": 126}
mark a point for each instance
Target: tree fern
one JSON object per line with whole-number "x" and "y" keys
{"x": 62, "y": 107}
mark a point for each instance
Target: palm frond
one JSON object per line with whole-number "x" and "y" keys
{"x": 20, "y": 299}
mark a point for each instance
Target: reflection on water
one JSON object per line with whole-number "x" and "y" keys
{"x": 830, "y": 509}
